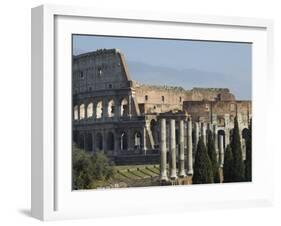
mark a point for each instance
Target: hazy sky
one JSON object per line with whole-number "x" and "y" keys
{"x": 180, "y": 62}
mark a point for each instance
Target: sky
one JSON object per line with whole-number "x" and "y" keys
{"x": 184, "y": 63}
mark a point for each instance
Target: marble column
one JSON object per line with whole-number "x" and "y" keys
{"x": 189, "y": 148}
{"x": 181, "y": 149}
{"x": 215, "y": 132}
{"x": 203, "y": 132}
{"x": 163, "y": 151}
{"x": 144, "y": 139}
{"x": 173, "y": 167}
{"x": 221, "y": 150}
{"x": 227, "y": 137}
{"x": 196, "y": 136}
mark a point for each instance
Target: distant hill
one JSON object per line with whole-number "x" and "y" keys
{"x": 187, "y": 78}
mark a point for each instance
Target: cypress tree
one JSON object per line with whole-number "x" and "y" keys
{"x": 238, "y": 164}
{"x": 203, "y": 173}
{"x": 213, "y": 156}
{"x": 248, "y": 162}
{"x": 228, "y": 165}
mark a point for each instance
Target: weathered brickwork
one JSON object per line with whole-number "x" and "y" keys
{"x": 119, "y": 116}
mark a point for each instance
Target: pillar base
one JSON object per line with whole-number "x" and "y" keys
{"x": 182, "y": 174}
{"x": 173, "y": 174}
{"x": 164, "y": 178}
{"x": 190, "y": 173}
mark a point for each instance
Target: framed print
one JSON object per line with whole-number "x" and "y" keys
{"x": 136, "y": 112}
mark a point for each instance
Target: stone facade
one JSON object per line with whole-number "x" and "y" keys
{"x": 120, "y": 117}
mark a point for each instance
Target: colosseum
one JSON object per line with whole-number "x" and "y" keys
{"x": 134, "y": 123}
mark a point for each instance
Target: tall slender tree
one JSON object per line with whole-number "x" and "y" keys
{"x": 238, "y": 164}
{"x": 248, "y": 162}
{"x": 203, "y": 173}
{"x": 228, "y": 165}
{"x": 213, "y": 156}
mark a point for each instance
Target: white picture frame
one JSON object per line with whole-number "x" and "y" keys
{"x": 52, "y": 197}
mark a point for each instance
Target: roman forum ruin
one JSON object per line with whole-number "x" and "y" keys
{"x": 134, "y": 123}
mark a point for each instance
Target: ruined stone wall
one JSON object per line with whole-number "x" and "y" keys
{"x": 157, "y": 99}
{"x": 221, "y": 113}
{"x": 99, "y": 70}
{"x": 212, "y": 94}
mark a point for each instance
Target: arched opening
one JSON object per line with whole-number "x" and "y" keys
{"x": 76, "y": 116}
{"x": 89, "y": 142}
{"x": 99, "y": 142}
{"x": 110, "y": 141}
{"x": 82, "y": 111}
{"x": 111, "y": 108}
{"x": 99, "y": 110}
{"x": 221, "y": 133}
{"x": 81, "y": 141}
{"x": 90, "y": 110}
{"x": 124, "y": 107}
{"x": 124, "y": 141}
{"x": 245, "y": 133}
{"x": 137, "y": 138}
{"x": 153, "y": 129}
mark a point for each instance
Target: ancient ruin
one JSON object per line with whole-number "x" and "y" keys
{"x": 134, "y": 123}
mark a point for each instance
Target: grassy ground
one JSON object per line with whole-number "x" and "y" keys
{"x": 136, "y": 176}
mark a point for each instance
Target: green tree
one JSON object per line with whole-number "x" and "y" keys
{"x": 248, "y": 162}
{"x": 203, "y": 173}
{"x": 238, "y": 164}
{"x": 102, "y": 167}
{"x": 213, "y": 156}
{"x": 90, "y": 170}
{"x": 228, "y": 165}
{"x": 82, "y": 169}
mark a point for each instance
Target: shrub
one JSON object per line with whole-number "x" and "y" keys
{"x": 203, "y": 172}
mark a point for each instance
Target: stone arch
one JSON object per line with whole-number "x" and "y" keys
{"x": 99, "y": 142}
{"x": 124, "y": 141}
{"x": 110, "y": 141}
{"x": 245, "y": 133}
{"x": 124, "y": 107}
{"x": 82, "y": 111}
{"x": 99, "y": 110}
{"x": 111, "y": 108}
{"x": 137, "y": 140}
{"x": 89, "y": 142}
{"x": 75, "y": 113}
{"x": 221, "y": 132}
{"x": 90, "y": 110}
